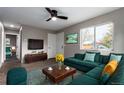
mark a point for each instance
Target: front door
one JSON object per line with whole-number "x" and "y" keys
{"x": 60, "y": 43}
{"x": 51, "y": 45}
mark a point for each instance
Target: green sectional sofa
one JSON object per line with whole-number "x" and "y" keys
{"x": 85, "y": 66}
{"x": 94, "y": 69}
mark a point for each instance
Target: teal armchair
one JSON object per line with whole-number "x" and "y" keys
{"x": 8, "y": 52}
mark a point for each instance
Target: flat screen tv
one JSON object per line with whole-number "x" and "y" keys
{"x": 71, "y": 38}
{"x": 34, "y": 44}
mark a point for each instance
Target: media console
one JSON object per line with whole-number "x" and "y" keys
{"x": 29, "y": 58}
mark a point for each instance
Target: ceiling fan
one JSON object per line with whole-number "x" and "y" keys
{"x": 54, "y": 15}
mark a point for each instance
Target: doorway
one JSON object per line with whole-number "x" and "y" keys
{"x": 11, "y": 47}
{"x": 51, "y": 45}
{"x": 60, "y": 43}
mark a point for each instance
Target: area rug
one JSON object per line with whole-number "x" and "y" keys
{"x": 36, "y": 77}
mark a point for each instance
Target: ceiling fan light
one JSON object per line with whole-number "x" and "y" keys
{"x": 54, "y": 18}
{"x": 11, "y": 26}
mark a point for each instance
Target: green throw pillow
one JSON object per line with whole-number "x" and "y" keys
{"x": 115, "y": 57}
{"x": 89, "y": 56}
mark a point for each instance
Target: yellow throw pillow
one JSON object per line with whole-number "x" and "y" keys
{"x": 110, "y": 67}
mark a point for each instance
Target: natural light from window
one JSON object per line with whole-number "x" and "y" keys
{"x": 97, "y": 37}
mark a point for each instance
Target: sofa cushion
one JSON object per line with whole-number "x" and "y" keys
{"x": 78, "y": 67}
{"x": 96, "y": 72}
{"x": 72, "y": 59}
{"x": 104, "y": 59}
{"x": 82, "y": 63}
{"x": 84, "y": 80}
{"x": 79, "y": 56}
{"x": 89, "y": 57}
{"x": 90, "y": 64}
{"x": 68, "y": 59}
{"x": 97, "y": 56}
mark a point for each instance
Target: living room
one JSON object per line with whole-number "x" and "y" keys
{"x": 73, "y": 38}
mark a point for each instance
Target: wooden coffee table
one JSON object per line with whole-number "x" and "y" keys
{"x": 56, "y": 75}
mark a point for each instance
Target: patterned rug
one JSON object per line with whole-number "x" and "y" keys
{"x": 36, "y": 77}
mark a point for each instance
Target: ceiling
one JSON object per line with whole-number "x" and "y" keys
{"x": 36, "y": 16}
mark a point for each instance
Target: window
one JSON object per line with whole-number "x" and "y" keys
{"x": 87, "y": 38}
{"x": 97, "y": 37}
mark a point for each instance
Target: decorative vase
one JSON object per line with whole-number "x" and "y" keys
{"x": 60, "y": 65}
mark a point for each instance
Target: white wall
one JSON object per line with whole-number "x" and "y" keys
{"x": 13, "y": 32}
{"x": 1, "y": 44}
{"x": 32, "y": 33}
{"x": 117, "y": 17}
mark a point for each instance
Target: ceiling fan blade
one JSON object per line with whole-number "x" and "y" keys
{"x": 48, "y": 19}
{"x": 49, "y": 10}
{"x": 62, "y": 17}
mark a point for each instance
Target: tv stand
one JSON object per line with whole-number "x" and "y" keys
{"x": 29, "y": 58}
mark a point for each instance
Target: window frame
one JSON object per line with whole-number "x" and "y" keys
{"x": 94, "y": 26}
{"x": 81, "y": 37}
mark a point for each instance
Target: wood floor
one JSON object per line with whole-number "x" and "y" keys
{"x": 8, "y": 65}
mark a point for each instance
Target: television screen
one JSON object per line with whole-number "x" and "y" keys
{"x": 34, "y": 44}
{"x": 72, "y": 38}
